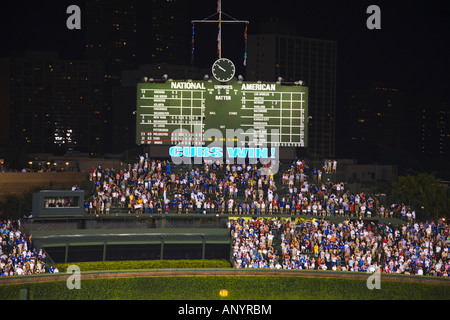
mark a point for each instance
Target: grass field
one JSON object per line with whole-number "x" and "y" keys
{"x": 183, "y": 285}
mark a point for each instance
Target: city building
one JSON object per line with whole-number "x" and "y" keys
{"x": 111, "y": 35}
{"x": 53, "y": 105}
{"x": 435, "y": 131}
{"x": 124, "y": 34}
{"x": 124, "y": 101}
{"x": 164, "y": 32}
{"x": 376, "y": 120}
{"x": 279, "y": 53}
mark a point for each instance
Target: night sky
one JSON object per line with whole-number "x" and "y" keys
{"x": 410, "y": 52}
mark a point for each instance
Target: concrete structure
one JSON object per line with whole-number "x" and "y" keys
{"x": 17, "y": 183}
{"x": 54, "y": 203}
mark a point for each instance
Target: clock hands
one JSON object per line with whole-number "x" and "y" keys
{"x": 226, "y": 71}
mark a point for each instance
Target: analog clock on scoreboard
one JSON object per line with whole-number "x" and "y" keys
{"x": 223, "y": 70}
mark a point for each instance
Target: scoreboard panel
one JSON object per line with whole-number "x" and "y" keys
{"x": 197, "y": 106}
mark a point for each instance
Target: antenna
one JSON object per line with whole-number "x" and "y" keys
{"x": 219, "y": 13}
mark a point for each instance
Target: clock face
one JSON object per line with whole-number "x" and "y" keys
{"x": 223, "y": 70}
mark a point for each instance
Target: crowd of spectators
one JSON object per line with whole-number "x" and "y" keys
{"x": 151, "y": 186}
{"x": 351, "y": 245}
{"x": 17, "y": 255}
{"x": 330, "y": 166}
{"x": 265, "y": 240}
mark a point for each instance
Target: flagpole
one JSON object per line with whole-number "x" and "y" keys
{"x": 219, "y": 33}
{"x": 219, "y": 10}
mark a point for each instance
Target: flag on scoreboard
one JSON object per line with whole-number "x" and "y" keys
{"x": 245, "y": 52}
{"x": 193, "y": 42}
{"x": 218, "y": 38}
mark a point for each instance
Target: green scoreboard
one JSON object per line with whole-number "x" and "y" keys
{"x": 166, "y": 109}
